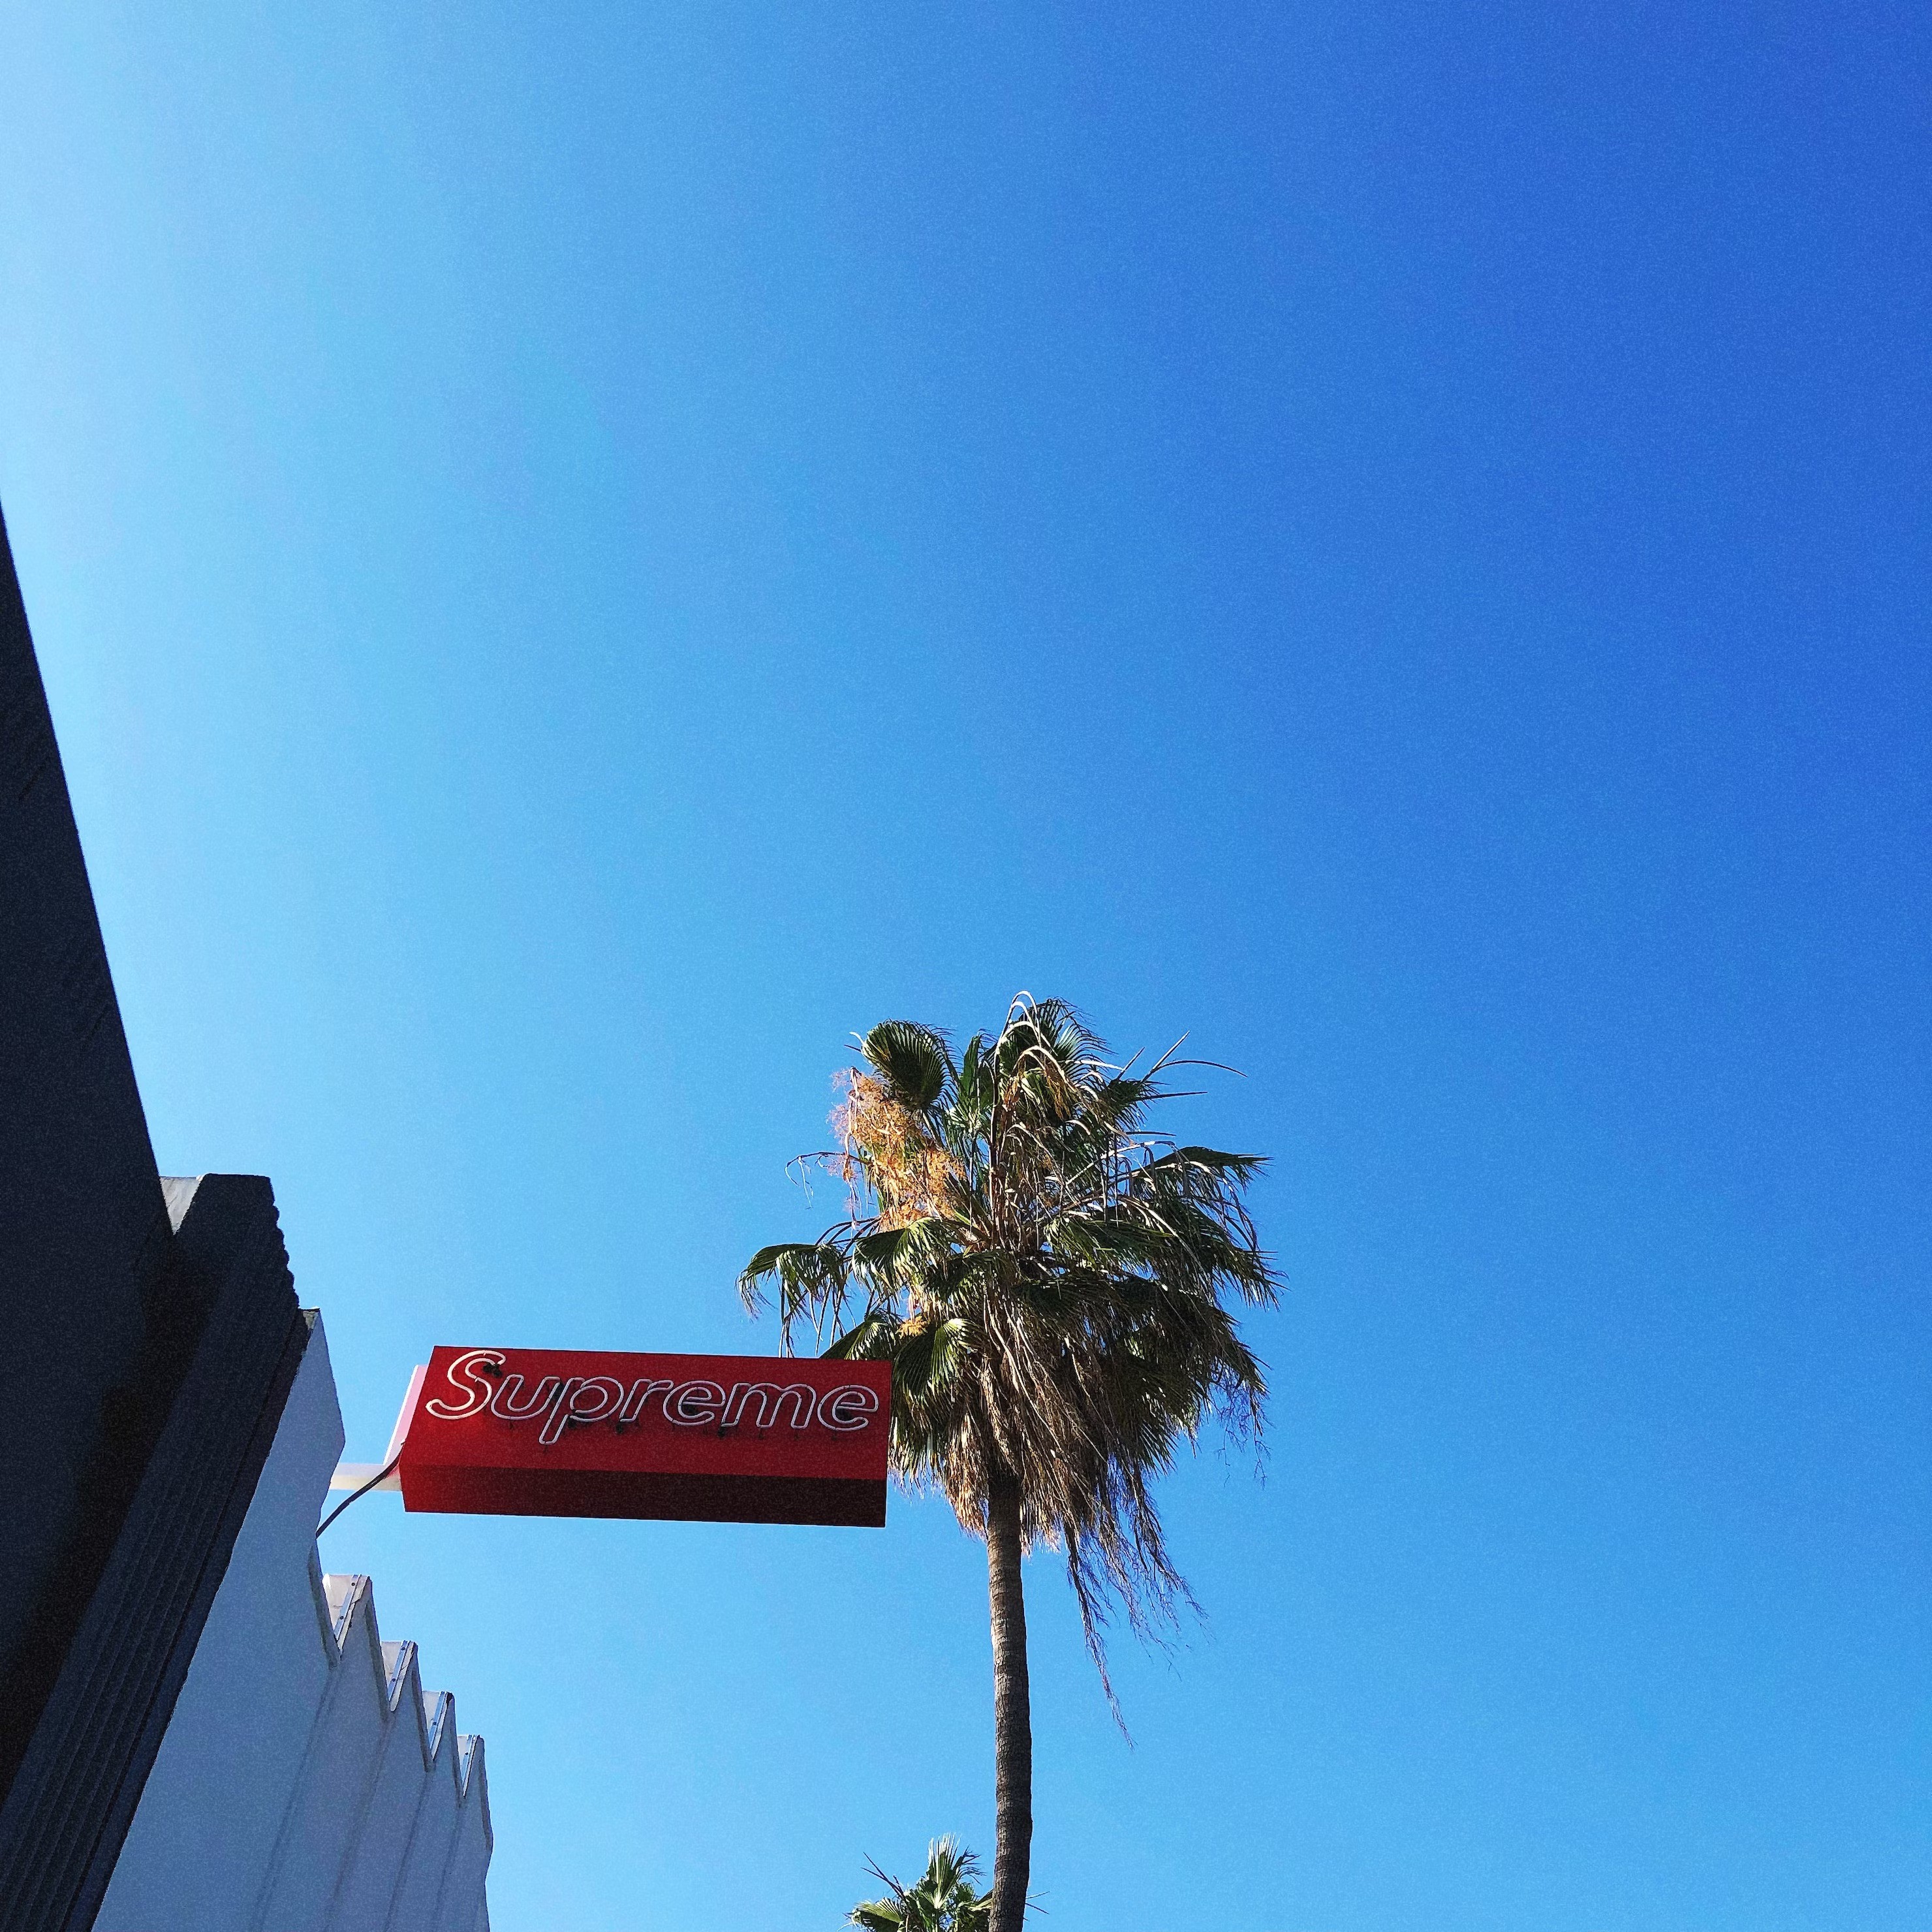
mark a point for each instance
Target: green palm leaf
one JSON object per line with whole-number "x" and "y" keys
{"x": 943, "y": 1899}
{"x": 1054, "y": 1283}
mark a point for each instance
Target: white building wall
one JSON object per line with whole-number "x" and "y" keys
{"x": 306, "y": 1782}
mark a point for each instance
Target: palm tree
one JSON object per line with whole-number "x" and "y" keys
{"x": 943, "y": 1901}
{"x": 1046, "y": 1277}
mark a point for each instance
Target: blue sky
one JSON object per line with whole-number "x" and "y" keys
{"x": 583, "y": 554}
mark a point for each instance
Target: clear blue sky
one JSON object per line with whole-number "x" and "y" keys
{"x": 583, "y": 553}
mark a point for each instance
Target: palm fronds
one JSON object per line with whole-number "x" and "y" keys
{"x": 943, "y": 1899}
{"x": 1053, "y": 1282}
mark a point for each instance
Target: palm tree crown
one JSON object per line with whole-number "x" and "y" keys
{"x": 944, "y": 1899}
{"x": 1046, "y": 1277}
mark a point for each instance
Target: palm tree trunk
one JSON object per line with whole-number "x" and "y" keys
{"x": 1012, "y": 1707}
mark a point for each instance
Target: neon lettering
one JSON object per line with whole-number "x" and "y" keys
{"x": 641, "y": 1392}
{"x": 798, "y": 1397}
{"x": 466, "y": 1373}
{"x": 692, "y": 1404}
{"x": 504, "y": 1403}
{"x": 849, "y": 1407}
{"x": 589, "y": 1399}
{"x": 477, "y": 1384}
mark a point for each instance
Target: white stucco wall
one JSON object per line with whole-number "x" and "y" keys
{"x": 306, "y": 1784}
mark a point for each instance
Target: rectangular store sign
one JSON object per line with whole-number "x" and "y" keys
{"x": 714, "y": 1438}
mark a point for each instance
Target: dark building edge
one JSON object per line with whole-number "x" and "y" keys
{"x": 65, "y": 1820}
{"x": 91, "y": 1331}
{"x": 144, "y": 1367}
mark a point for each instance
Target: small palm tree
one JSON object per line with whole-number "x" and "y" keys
{"x": 944, "y": 1899}
{"x": 1046, "y": 1277}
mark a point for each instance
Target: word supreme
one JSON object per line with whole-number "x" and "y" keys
{"x": 481, "y": 1386}
{"x": 724, "y": 1438}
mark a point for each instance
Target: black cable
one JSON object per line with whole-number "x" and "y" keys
{"x": 388, "y": 1468}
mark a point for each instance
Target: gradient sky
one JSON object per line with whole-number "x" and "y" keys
{"x": 583, "y": 554}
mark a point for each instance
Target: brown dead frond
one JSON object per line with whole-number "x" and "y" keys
{"x": 889, "y": 1153}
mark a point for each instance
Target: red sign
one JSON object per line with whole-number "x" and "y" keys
{"x": 714, "y": 1438}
